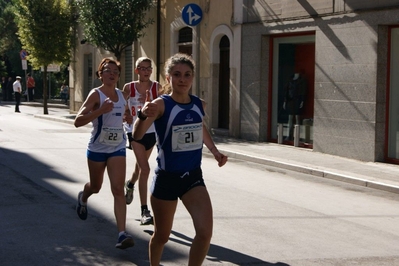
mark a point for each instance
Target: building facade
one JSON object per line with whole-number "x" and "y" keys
{"x": 320, "y": 74}
{"x": 210, "y": 40}
{"x": 347, "y": 53}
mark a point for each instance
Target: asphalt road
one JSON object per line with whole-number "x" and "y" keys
{"x": 262, "y": 215}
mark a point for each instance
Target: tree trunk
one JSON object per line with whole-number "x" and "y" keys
{"x": 45, "y": 109}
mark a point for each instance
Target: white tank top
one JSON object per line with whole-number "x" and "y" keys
{"x": 107, "y": 135}
{"x": 135, "y": 104}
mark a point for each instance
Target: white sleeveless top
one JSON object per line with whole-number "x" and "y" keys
{"x": 107, "y": 135}
{"x": 135, "y": 104}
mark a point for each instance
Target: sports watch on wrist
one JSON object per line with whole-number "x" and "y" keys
{"x": 140, "y": 115}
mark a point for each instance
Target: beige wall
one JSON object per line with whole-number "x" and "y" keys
{"x": 147, "y": 46}
{"x": 77, "y": 70}
{"x": 217, "y": 21}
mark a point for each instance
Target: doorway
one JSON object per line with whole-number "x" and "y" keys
{"x": 224, "y": 84}
{"x": 293, "y": 67}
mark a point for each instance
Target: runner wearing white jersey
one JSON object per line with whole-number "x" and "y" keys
{"x": 106, "y": 108}
{"x": 141, "y": 148}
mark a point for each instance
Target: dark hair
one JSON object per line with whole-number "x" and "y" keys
{"x": 178, "y": 58}
{"x": 107, "y": 61}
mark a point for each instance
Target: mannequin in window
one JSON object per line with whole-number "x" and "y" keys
{"x": 294, "y": 98}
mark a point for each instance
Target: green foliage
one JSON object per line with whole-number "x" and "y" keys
{"x": 8, "y": 28}
{"x": 113, "y": 24}
{"x": 13, "y": 61}
{"x": 10, "y": 46}
{"x": 44, "y": 28}
{"x": 3, "y": 70}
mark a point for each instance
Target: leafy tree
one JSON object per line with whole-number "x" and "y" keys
{"x": 9, "y": 42}
{"x": 45, "y": 28}
{"x": 8, "y": 28}
{"x": 3, "y": 69}
{"x": 114, "y": 24}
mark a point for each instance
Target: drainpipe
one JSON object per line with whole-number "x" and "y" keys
{"x": 198, "y": 62}
{"x": 158, "y": 59}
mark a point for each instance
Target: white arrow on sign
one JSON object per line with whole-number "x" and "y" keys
{"x": 192, "y": 16}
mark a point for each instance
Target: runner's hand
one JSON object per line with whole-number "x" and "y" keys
{"x": 149, "y": 109}
{"x": 107, "y": 106}
{"x": 221, "y": 158}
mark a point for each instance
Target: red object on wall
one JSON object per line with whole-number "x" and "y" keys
{"x": 305, "y": 65}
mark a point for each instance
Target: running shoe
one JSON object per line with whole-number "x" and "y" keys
{"x": 129, "y": 193}
{"x": 125, "y": 241}
{"x": 81, "y": 209}
{"x": 146, "y": 218}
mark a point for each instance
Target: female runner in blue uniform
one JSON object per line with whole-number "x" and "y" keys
{"x": 180, "y": 133}
{"x": 106, "y": 108}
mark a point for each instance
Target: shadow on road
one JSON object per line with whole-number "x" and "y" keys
{"x": 39, "y": 225}
{"x": 221, "y": 254}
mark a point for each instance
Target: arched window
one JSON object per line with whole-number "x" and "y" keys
{"x": 224, "y": 43}
{"x": 185, "y": 40}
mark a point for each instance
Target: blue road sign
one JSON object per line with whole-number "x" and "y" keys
{"x": 23, "y": 54}
{"x": 192, "y": 14}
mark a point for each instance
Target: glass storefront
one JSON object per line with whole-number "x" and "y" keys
{"x": 293, "y": 89}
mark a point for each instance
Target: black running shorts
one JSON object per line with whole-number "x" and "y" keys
{"x": 148, "y": 140}
{"x": 171, "y": 186}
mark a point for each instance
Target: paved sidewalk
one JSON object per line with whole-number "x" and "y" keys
{"x": 369, "y": 174}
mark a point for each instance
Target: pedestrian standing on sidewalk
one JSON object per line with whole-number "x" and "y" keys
{"x": 142, "y": 148}
{"x": 64, "y": 92}
{"x": 106, "y": 107}
{"x": 17, "y": 93}
{"x": 181, "y": 133}
{"x": 31, "y": 87}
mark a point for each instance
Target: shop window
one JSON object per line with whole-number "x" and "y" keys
{"x": 293, "y": 89}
